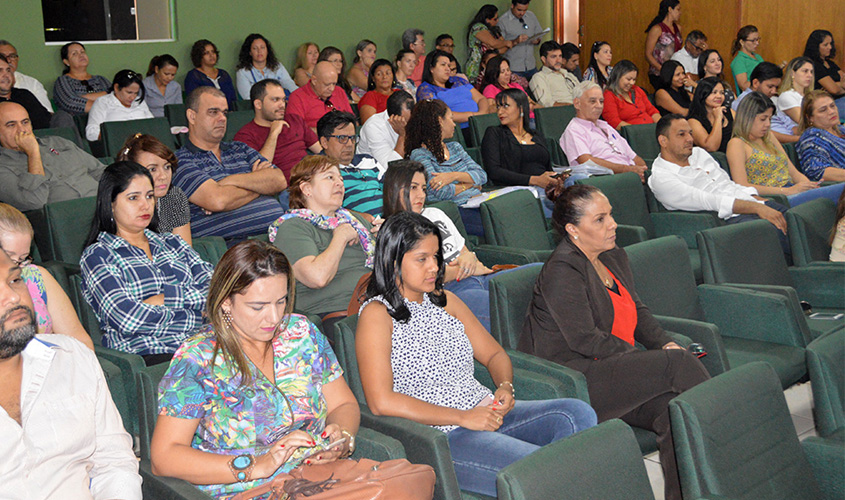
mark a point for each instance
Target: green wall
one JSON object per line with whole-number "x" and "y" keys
{"x": 286, "y": 24}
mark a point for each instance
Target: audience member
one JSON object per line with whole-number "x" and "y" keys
{"x": 591, "y": 142}
{"x": 572, "y": 61}
{"x": 160, "y": 85}
{"x": 361, "y": 173}
{"x": 797, "y": 81}
{"x": 625, "y": 103}
{"x": 335, "y": 56}
{"x": 663, "y": 38}
{"x": 405, "y": 64}
{"x": 585, "y": 314}
{"x": 479, "y": 83}
{"x": 147, "y": 289}
{"x": 457, "y": 93}
{"x": 172, "y": 211}
{"x": 694, "y": 45}
{"x": 383, "y": 136}
{"x": 358, "y": 75}
{"x": 380, "y": 85}
{"x": 745, "y": 57}
{"x": 485, "y": 36}
{"x": 39, "y": 115}
{"x": 710, "y": 64}
{"x": 837, "y": 237}
{"x": 125, "y": 101}
{"x": 554, "y": 83}
{"x": 231, "y": 187}
{"x": 275, "y": 134}
{"x": 51, "y": 305}
{"x": 766, "y": 77}
{"x": 204, "y": 56}
{"x": 445, "y": 42}
{"x": 330, "y": 247}
{"x": 306, "y": 58}
{"x": 821, "y": 50}
{"x": 23, "y": 81}
{"x": 321, "y": 95}
{"x": 76, "y": 90}
{"x": 273, "y": 359}
{"x": 414, "y": 39}
{"x": 497, "y": 76}
{"x": 62, "y": 435}
{"x": 710, "y": 117}
{"x": 416, "y": 343}
{"x": 35, "y": 171}
{"x": 599, "y": 68}
{"x": 671, "y": 96}
{"x": 758, "y": 160}
{"x": 515, "y": 23}
{"x": 821, "y": 150}
{"x": 257, "y": 61}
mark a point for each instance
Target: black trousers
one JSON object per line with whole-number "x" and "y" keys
{"x": 637, "y": 387}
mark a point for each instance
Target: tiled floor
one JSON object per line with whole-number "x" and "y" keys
{"x": 799, "y": 398}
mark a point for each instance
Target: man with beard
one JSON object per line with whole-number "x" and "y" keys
{"x": 62, "y": 437}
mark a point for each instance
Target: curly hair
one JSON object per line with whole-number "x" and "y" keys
{"x": 245, "y": 58}
{"x": 423, "y": 128}
{"x": 198, "y": 49}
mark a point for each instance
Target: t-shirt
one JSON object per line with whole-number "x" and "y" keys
{"x": 375, "y": 99}
{"x": 743, "y": 63}
{"x": 781, "y": 122}
{"x": 291, "y": 146}
{"x": 820, "y": 71}
{"x": 453, "y": 242}
{"x": 363, "y": 186}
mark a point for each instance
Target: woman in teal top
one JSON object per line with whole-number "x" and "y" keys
{"x": 746, "y": 58}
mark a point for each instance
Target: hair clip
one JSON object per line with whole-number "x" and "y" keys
{"x": 126, "y": 152}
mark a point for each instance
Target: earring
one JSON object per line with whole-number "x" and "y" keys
{"x": 227, "y": 317}
{"x": 575, "y": 237}
{"x": 520, "y": 114}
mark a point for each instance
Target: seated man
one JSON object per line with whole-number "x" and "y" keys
{"x": 62, "y": 435}
{"x": 694, "y": 45}
{"x": 23, "y": 81}
{"x": 285, "y": 139}
{"x": 361, "y": 173}
{"x": 554, "y": 83}
{"x": 383, "y": 135}
{"x": 687, "y": 178}
{"x": 232, "y": 188}
{"x": 40, "y": 117}
{"x": 445, "y": 42}
{"x": 35, "y": 171}
{"x": 591, "y": 142}
{"x": 766, "y": 78}
{"x": 319, "y": 96}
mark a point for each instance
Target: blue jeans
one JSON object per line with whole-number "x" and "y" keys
{"x": 479, "y": 455}
{"x": 475, "y": 293}
{"x": 831, "y": 192}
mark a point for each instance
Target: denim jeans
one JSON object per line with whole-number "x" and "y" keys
{"x": 471, "y": 218}
{"x": 479, "y": 455}
{"x": 831, "y": 192}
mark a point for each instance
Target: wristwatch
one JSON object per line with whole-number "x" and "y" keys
{"x": 351, "y": 440}
{"x": 241, "y": 467}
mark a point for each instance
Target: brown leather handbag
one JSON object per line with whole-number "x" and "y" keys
{"x": 362, "y": 479}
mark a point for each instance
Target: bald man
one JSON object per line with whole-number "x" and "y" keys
{"x": 35, "y": 171}
{"x": 319, "y": 96}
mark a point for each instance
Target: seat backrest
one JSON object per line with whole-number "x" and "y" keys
{"x": 516, "y": 220}
{"x": 510, "y": 296}
{"x": 344, "y": 349}
{"x": 235, "y": 121}
{"x": 175, "y": 114}
{"x": 642, "y": 139}
{"x": 748, "y": 252}
{"x": 68, "y": 133}
{"x": 792, "y": 153}
{"x": 809, "y": 230}
{"x": 734, "y": 437}
{"x": 626, "y": 196}
{"x": 451, "y": 210}
{"x": 551, "y": 122}
{"x": 601, "y": 462}
{"x": 86, "y": 314}
{"x": 663, "y": 277}
{"x": 722, "y": 158}
{"x": 116, "y": 133}
{"x": 69, "y": 223}
{"x": 146, "y": 382}
{"x": 244, "y": 105}
{"x": 210, "y": 248}
{"x": 827, "y": 374}
{"x": 478, "y": 124}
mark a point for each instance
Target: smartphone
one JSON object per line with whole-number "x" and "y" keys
{"x": 827, "y": 316}
{"x": 560, "y": 174}
{"x": 319, "y": 449}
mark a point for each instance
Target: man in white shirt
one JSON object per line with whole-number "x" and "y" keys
{"x": 695, "y": 44}
{"x": 554, "y": 83}
{"x": 383, "y": 135}
{"x": 517, "y": 21}
{"x": 23, "y": 81}
{"x": 63, "y": 438}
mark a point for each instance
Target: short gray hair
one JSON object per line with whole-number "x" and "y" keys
{"x": 583, "y": 87}
{"x": 193, "y": 100}
{"x": 410, "y": 36}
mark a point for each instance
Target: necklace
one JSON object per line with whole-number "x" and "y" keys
{"x": 521, "y": 138}
{"x": 608, "y": 281}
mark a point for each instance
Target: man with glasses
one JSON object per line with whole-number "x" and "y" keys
{"x": 319, "y": 96}
{"x": 232, "y": 188}
{"x": 414, "y": 39}
{"x": 517, "y": 21}
{"x": 23, "y": 81}
{"x": 695, "y": 44}
{"x": 361, "y": 173}
{"x": 40, "y": 117}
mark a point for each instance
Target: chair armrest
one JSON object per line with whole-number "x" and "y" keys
{"x": 706, "y": 334}
{"x": 377, "y": 446}
{"x": 167, "y": 488}
{"x": 472, "y": 241}
{"x": 574, "y": 381}
{"x": 490, "y": 255}
{"x": 683, "y": 224}
{"x": 129, "y": 365}
{"x": 821, "y": 286}
{"x": 527, "y": 385}
{"x": 628, "y": 235}
{"x": 754, "y": 315}
{"x": 827, "y": 459}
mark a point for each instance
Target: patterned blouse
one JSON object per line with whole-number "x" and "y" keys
{"x": 819, "y": 149}
{"x": 766, "y": 169}
{"x": 69, "y": 92}
{"x": 234, "y": 420}
{"x": 35, "y": 286}
{"x": 670, "y": 41}
{"x": 476, "y": 49}
{"x": 172, "y": 210}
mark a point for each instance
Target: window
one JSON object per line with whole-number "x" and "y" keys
{"x": 107, "y": 20}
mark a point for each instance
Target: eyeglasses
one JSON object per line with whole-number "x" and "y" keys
{"x": 753, "y": 40}
{"x": 524, "y": 24}
{"x": 344, "y": 139}
{"x": 12, "y": 56}
{"x": 701, "y": 47}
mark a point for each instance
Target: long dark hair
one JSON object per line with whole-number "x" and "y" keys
{"x": 396, "y": 196}
{"x": 127, "y": 77}
{"x": 811, "y": 49}
{"x": 363, "y": 44}
{"x": 667, "y": 74}
{"x": 492, "y": 71}
{"x": 600, "y": 78}
{"x": 378, "y": 63}
{"x": 400, "y": 234}
{"x": 160, "y": 62}
{"x": 697, "y": 108}
{"x": 245, "y": 59}
{"x": 64, "y": 51}
{"x": 431, "y": 60}
{"x": 662, "y": 10}
{"x": 741, "y": 35}
{"x": 423, "y": 128}
{"x": 115, "y": 180}
{"x": 522, "y": 103}
{"x": 702, "y": 62}
{"x": 487, "y": 11}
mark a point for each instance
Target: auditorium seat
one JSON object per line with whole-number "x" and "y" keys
{"x": 825, "y": 357}
{"x": 551, "y": 123}
{"x": 516, "y": 220}
{"x": 478, "y": 124}
{"x": 115, "y": 134}
{"x": 235, "y": 121}
{"x": 643, "y": 140}
{"x": 809, "y": 232}
{"x": 68, "y": 133}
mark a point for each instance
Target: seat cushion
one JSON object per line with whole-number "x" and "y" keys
{"x": 787, "y": 361}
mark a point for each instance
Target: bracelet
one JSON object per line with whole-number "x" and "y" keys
{"x": 351, "y": 444}
{"x": 510, "y": 384}
{"x": 241, "y": 467}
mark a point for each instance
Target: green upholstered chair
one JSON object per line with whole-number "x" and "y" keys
{"x": 458, "y": 136}
{"x": 749, "y": 255}
{"x": 809, "y": 232}
{"x": 734, "y": 437}
{"x": 825, "y": 357}
{"x": 243, "y": 105}
{"x": 106, "y": 160}
{"x": 235, "y": 121}
{"x": 792, "y": 153}
{"x": 643, "y": 140}
{"x": 478, "y": 124}
{"x": 475, "y": 154}
{"x": 722, "y": 158}
{"x": 68, "y": 133}
{"x": 61, "y": 228}
{"x": 743, "y": 325}
{"x": 516, "y": 220}
{"x": 175, "y": 114}
{"x": 551, "y": 123}
{"x": 116, "y": 133}
{"x": 210, "y": 248}
{"x": 96, "y": 148}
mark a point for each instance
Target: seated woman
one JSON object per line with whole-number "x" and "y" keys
{"x": 256, "y": 62}
{"x": 160, "y": 85}
{"x": 147, "y": 289}
{"x": 358, "y": 75}
{"x": 53, "y": 310}
{"x": 826, "y": 73}
{"x": 497, "y": 77}
{"x": 306, "y": 58}
{"x": 585, "y": 314}
{"x": 746, "y": 58}
{"x": 124, "y": 102}
{"x": 671, "y": 96}
{"x": 710, "y": 117}
{"x": 624, "y": 102}
{"x": 172, "y": 211}
{"x": 330, "y": 247}
{"x": 484, "y": 36}
{"x": 797, "y": 80}
{"x": 821, "y": 150}
{"x": 416, "y": 343}
{"x": 380, "y": 86}
{"x": 710, "y": 63}
{"x": 758, "y": 160}
{"x": 204, "y": 56}
{"x": 335, "y": 56}
{"x": 77, "y": 89}
{"x": 599, "y": 68}
{"x": 252, "y": 394}
{"x": 457, "y": 93}
{"x": 405, "y": 63}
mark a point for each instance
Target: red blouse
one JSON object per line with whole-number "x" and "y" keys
{"x": 618, "y": 110}
{"x": 375, "y": 99}
{"x": 624, "y": 312}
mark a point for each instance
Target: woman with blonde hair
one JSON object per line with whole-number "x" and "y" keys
{"x": 797, "y": 81}
{"x": 306, "y": 58}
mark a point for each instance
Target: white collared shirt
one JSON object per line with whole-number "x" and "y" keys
{"x": 702, "y": 185}
{"x": 71, "y": 444}
{"x": 31, "y": 84}
{"x": 378, "y": 139}
{"x": 108, "y": 109}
